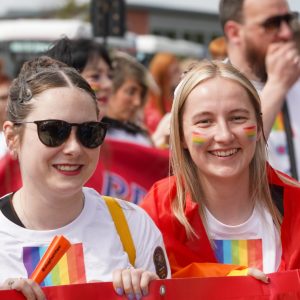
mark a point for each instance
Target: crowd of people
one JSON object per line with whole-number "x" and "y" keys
{"x": 230, "y": 124}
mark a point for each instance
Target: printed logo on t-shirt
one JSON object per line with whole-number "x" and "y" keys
{"x": 240, "y": 252}
{"x": 70, "y": 268}
{"x": 160, "y": 263}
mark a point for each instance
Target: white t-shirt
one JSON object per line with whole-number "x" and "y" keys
{"x": 96, "y": 247}
{"x": 255, "y": 243}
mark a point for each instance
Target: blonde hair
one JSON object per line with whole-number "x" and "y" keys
{"x": 185, "y": 170}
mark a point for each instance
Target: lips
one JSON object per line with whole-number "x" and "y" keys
{"x": 224, "y": 153}
{"x": 103, "y": 100}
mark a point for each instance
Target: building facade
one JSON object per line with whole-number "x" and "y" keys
{"x": 192, "y": 23}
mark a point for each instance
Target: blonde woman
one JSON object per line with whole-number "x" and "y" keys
{"x": 224, "y": 205}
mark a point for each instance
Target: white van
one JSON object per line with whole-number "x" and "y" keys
{"x": 21, "y": 39}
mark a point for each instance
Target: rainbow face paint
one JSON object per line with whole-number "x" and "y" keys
{"x": 250, "y": 132}
{"x": 198, "y": 138}
{"x": 95, "y": 87}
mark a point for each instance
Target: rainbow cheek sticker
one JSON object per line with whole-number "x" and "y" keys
{"x": 198, "y": 138}
{"x": 95, "y": 87}
{"x": 250, "y": 132}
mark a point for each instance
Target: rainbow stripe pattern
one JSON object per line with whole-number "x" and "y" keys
{"x": 240, "y": 252}
{"x": 198, "y": 138}
{"x": 278, "y": 124}
{"x": 95, "y": 87}
{"x": 70, "y": 269}
{"x": 250, "y": 132}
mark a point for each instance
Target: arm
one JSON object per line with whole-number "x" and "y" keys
{"x": 283, "y": 68}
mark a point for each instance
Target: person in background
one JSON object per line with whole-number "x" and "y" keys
{"x": 5, "y": 82}
{"x": 125, "y": 107}
{"x": 217, "y": 48}
{"x": 223, "y": 195}
{"x": 260, "y": 43}
{"x": 58, "y": 150}
{"x": 91, "y": 60}
{"x": 165, "y": 69}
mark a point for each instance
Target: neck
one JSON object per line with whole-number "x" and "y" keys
{"x": 228, "y": 200}
{"x": 240, "y": 62}
{"x": 38, "y": 212}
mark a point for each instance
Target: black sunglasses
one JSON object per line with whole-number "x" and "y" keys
{"x": 274, "y": 23}
{"x": 54, "y": 133}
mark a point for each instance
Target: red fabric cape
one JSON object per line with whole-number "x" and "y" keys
{"x": 184, "y": 252}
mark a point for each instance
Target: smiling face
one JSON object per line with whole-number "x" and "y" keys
{"x": 220, "y": 128}
{"x": 98, "y": 74}
{"x": 126, "y": 101}
{"x": 61, "y": 170}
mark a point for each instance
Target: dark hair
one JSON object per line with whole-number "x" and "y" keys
{"x": 127, "y": 67}
{"x": 77, "y": 53}
{"x": 230, "y": 10}
{"x": 38, "y": 75}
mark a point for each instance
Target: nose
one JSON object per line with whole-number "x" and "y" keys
{"x": 72, "y": 145}
{"x": 285, "y": 31}
{"x": 223, "y": 133}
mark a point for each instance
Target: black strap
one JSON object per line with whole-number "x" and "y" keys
{"x": 8, "y": 210}
{"x": 289, "y": 139}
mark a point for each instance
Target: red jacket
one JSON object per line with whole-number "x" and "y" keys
{"x": 182, "y": 251}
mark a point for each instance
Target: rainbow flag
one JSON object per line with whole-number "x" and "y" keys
{"x": 278, "y": 124}
{"x": 69, "y": 270}
{"x": 240, "y": 252}
{"x": 250, "y": 132}
{"x": 198, "y": 138}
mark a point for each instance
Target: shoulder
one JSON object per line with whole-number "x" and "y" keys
{"x": 162, "y": 190}
{"x": 157, "y": 202}
{"x": 134, "y": 213}
{"x": 167, "y": 185}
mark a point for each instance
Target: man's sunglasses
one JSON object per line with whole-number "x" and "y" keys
{"x": 274, "y": 23}
{"x": 54, "y": 133}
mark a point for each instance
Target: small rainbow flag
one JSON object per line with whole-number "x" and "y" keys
{"x": 250, "y": 132}
{"x": 240, "y": 252}
{"x": 198, "y": 138}
{"x": 278, "y": 124}
{"x": 69, "y": 270}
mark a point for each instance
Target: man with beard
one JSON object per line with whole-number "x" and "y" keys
{"x": 260, "y": 41}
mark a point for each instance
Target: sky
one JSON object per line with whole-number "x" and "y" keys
{"x": 209, "y": 6}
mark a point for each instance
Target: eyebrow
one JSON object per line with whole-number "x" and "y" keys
{"x": 240, "y": 110}
{"x": 237, "y": 110}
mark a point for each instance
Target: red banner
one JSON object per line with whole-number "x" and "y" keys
{"x": 284, "y": 285}
{"x": 125, "y": 170}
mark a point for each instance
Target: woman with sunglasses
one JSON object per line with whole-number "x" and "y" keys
{"x": 53, "y": 129}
